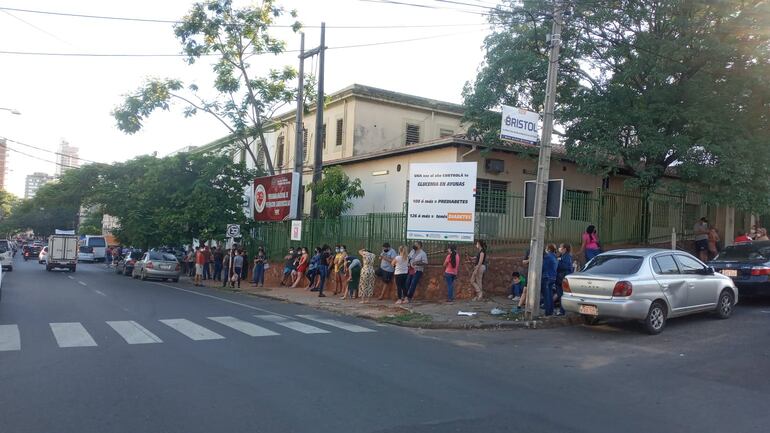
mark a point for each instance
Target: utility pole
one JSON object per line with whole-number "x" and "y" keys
{"x": 536, "y": 245}
{"x": 319, "y": 123}
{"x": 298, "y": 153}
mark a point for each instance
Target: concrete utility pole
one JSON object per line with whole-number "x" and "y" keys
{"x": 543, "y": 172}
{"x": 298, "y": 153}
{"x": 319, "y": 122}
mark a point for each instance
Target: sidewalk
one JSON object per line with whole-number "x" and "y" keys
{"x": 418, "y": 314}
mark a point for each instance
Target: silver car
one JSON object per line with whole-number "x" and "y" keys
{"x": 650, "y": 285}
{"x": 157, "y": 265}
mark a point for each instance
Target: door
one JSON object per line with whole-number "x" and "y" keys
{"x": 701, "y": 286}
{"x": 672, "y": 283}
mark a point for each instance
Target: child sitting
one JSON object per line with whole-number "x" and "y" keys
{"x": 518, "y": 282}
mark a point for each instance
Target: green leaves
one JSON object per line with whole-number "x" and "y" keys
{"x": 334, "y": 192}
{"x": 154, "y": 94}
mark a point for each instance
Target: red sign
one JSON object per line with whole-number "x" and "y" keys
{"x": 275, "y": 197}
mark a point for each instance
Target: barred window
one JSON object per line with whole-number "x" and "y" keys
{"x": 279, "y": 150}
{"x": 491, "y": 196}
{"x": 412, "y": 134}
{"x": 580, "y": 203}
{"x": 304, "y": 143}
{"x": 340, "y": 132}
{"x": 323, "y": 135}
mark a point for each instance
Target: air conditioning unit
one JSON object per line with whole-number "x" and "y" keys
{"x": 495, "y": 166}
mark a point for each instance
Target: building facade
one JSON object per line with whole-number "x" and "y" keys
{"x": 3, "y": 161}
{"x": 34, "y": 181}
{"x": 67, "y": 157}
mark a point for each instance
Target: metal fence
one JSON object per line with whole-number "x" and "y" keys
{"x": 620, "y": 218}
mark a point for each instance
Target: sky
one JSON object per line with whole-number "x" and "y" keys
{"x": 70, "y": 98}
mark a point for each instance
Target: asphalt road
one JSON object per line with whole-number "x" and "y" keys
{"x": 97, "y": 352}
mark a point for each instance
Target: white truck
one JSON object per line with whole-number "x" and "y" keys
{"x": 62, "y": 252}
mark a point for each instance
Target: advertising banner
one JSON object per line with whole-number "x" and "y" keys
{"x": 275, "y": 197}
{"x": 520, "y": 125}
{"x": 442, "y": 202}
{"x": 296, "y": 230}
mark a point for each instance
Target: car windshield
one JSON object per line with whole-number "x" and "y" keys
{"x": 162, "y": 256}
{"x": 85, "y": 249}
{"x": 614, "y": 265}
{"x": 97, "y": 242}
{"x": 3, "y": 246}
{"x": 756, "y": 251}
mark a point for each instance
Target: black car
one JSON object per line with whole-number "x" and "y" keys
{"x": 748, "y": 264}
{"x": 125, "y": 264}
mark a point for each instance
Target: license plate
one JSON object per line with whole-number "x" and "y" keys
{"x": 730, "y": 272}
{"x": 590, "y": 310}
{"x": 166, "y": 267}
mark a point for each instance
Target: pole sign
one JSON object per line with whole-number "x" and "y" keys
{"x": 275, "y": 197}
{"x": 520, "y": 125}
{"x": 442, "y": 201}
{"x": 553, "y": 200}
{"x": 296, "y": 230}
{"x": 233, "y": 231}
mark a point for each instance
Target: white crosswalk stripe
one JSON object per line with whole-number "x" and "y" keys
{"x": 291, "y": 324}
{"x": 247, "y": 328}
{"x": 9, "y": 338}
{"x": 134, "y": 333}
{"x": 192, "y": 330}
{"x": 336, "y": 323}
{"x": 71, "y": 334}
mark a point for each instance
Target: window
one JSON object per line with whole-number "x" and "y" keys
{"x": 610, "y": 264}
{"x": 323, "y": 135}
{"x": 580, "y": 203}
{"x": 689, "y": 265}
{"x": 340, "y": 132}
{"x": 97, "y": 242}
{"x": 260, "y": 158}
{"x": 665, "y": 265}
{"x": 304, "y": 143}
{"x": 491, "y": 196}
{"x": 279, "y": 149}
{"x": 445, "y": 133}
{"x": 412, "y": 134}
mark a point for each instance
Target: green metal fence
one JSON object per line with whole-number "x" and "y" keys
{"x": 621, "y": 218}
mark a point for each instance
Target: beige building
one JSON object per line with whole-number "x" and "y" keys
{"x": 34, "y": 181}
{"x": 66, "y": 158}
{"x": 3, "y": 161}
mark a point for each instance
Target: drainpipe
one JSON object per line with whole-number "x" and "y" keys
{"x": 473, "y": 149}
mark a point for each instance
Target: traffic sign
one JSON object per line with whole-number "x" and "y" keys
{"x": 233, "y": 231}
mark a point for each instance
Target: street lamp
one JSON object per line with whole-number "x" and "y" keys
{"x": 11, "y": 110}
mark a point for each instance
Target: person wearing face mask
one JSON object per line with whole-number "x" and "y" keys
{"x": 550, "y": 265}
{"x": 417, "y": 260}
{"x": 563, "y": 269}
{"x": 339, "y": 269}
{"x": 386, "y": 270}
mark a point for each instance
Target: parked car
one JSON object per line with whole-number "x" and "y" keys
{"x": 125, "y": 264}
{"x": 42, "y": 255}
{"x": 6, "y": 255}
{"x": 157, "y": 265}
{"x": 650, "y": 285}
{"x": 85, "y": 254}
{"x": 748, "y": 265}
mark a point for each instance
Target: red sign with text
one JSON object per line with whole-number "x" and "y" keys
{"x": 275, "y": 197}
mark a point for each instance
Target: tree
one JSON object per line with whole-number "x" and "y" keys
{"x": 92, "y": 224}
{"x": 334, "y": 192}
{"x": 244, "y": 103}
{"x": 646, "y": 88}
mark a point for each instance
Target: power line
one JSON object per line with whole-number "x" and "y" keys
{"x": 50, "y": 151}
{"x": 163, "y": 21}
{"x": 38, "y": 158}
{"x": 129, "y": 55}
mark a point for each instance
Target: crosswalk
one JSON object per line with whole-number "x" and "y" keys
{"x": 75, "y": 334}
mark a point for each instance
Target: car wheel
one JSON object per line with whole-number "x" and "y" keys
{"x": 725, "y": 305}
{"x": 589, "y": 320}
{"x": 656, "y": 318}
{"x": 175, "y": 280}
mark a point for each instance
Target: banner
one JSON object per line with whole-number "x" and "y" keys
{"x": 442, "y": 202}
{"x": 275, "y": 197}
{"x": 520, "y": 125}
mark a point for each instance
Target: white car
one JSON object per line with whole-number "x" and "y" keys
{"x": 6, "y": 255}
{"x": 43, "y": 253}
{"x": 86, "y": 254}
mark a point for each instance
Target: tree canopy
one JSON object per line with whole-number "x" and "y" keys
{"x": 646, "y": 88}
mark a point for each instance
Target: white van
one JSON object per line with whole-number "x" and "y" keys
{"x": 99, "y": 244}
{"x": 6, "y": 255}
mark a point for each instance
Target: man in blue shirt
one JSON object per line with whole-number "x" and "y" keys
{"x": 550, "y": 264}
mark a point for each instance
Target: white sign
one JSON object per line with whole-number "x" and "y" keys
{"x": 520, "y": 125}
{"x": 233, "y": 231}
{"x": 296, "y": 230}
{"x": 442, "y": 202}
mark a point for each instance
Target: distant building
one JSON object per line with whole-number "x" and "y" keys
{"x": 3, "y": 157}
{"x": 66, "y": 158}
{"x": 34, "y": 182}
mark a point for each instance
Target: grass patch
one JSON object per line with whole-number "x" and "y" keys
{"x": 409, "y": 318}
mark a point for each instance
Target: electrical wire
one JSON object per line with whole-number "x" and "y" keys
{"x": 37, "y": 157}
{"x": 42, "y": 30}
{"x": 49, "y": 151}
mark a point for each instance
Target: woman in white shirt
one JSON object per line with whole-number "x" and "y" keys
{"x": 401, "y": 265}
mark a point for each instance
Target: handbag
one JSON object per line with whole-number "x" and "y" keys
{"x": 267, "y": 266}
{"x": 234, "y": 278}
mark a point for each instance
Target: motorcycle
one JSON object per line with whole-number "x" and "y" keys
{"x": 26, "y": 255}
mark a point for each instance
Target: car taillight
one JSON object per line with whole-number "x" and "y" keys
{"x": 622, "y": 288}
{"x": 565, "y": 286}
{"x": 760, "y": 270}
{"x": 149, "y": 265}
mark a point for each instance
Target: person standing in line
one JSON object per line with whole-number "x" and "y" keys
{"x": 353, "y": 271}
{"x": 206, "y": 260}
{"x": 218, "y": 257}
{"x": 590, "y": 246}
{"x": 417, "y": 260}
{"x": 289, "y": 267}
{"x": 550, "y": 265}
{"x": 200, "y": 260}
{"x": 339, "y": 269}
{"x": 258, "y": 274}
{"x": 227, "y": 262}
{"x": 238, "y": 264}
{"x": 245, "y": 268}
{"x": 108, "y": 256}
{"x": 386, "y": 269}
{"x": 563, "y": 269}
{"x": 713, "y": 242}
{"x": 451, "y": 268}
{"x": 323, "y": 270}
{"x": 701, "y": 230}
{"x": 302, "y": 267}
{"x": 366, "y": 284}
{"x": 312, "y": 270}
{"x": 401, "y": 272}
{"x": 480, "y": 267}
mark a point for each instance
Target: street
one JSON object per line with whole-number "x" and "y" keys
{"x": 93, "y": 351}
